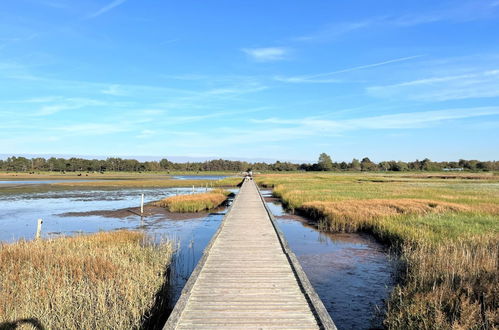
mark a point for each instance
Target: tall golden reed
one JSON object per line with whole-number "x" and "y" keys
{"x": 194, "y": 202}
{"x": 106, "y": 280}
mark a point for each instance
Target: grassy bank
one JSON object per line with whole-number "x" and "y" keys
{"x": 445, "y": 229}
{"x": 106, "y": 280}
{"x": 194, "y": 202}
{"x": 151, "y": 183}
{"x": 110, "y": 182}
{"x": 108, "y": 175}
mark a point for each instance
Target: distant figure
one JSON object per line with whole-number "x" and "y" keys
{"x": 249, "y": 176}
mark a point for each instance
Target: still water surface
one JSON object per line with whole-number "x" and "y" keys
{"x": 19, "y": 212}
{"x": 21, "y": 182}
{"x": 199, "y": 177}
{"x": 351, "y": 273}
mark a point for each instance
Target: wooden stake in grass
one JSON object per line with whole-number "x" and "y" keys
{"x": 39, "y": 229}
{"x": 142, "y": 205}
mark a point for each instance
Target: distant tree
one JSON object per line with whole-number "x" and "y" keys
{"x": 484, "y": 166}
{"x": 165, "y": 164}
{"x": 325, "y": 162}
{"x": 355, "y": 165}
{"x": 385, "y": 166}
{"x": 398, "y": 166}
{"x": 367, "y": 165}
{"x": 468, "y": 164}
{"x": 428, "y": 165}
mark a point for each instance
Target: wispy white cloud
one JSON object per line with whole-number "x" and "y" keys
{"x": 61, "y": 104}
{"x": 307, "y": 80}
{"x": 409, "y": 120}
{"x": 333, "y": 31}
{"x": 93, "y": 128}
{"x": 267, "y": 54}
{"x": 314, "y": 78}
{"x": 107, "y": 8}
{"x": 146, "y": 133}
{"x": 114, "y": 90}
{"x": 466, "y": 11}
{"x": 442, "y": 88}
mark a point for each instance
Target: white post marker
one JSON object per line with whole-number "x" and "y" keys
{"x": 142, "y": 205}
{"x": 193, "y": 189}
{"x": 39, "y": 229}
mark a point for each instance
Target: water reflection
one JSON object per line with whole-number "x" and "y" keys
{"x": 352, "y": 273}
{"x": 19, "y": 212}
{"x": 72, "y": 212}
{"x": 22, "y": 182}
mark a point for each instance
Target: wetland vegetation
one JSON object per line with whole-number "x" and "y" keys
{"x": 445, "y": 230}
{"x": 98, "y": 281}
{"x": 195, "y": 202}
{"x": 444, "y": 227}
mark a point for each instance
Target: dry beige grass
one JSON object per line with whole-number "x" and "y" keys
{"x": 448, "y": 286}
{"x": 353, "y": 215}
{"x": 106, "y": 280}
{"x": 194, "y": 202}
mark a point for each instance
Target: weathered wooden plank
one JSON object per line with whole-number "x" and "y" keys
{"x": 248, "y": 277}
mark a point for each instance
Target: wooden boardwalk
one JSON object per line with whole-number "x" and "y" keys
{"x": 248, "y": 277}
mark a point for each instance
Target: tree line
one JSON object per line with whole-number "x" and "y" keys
{"x": 324, "y": 163}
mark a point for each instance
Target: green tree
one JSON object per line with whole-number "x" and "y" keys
{"x": 355, "y": 165}
{"x": 367, "y": 165}
{"x": 325, "y": 162}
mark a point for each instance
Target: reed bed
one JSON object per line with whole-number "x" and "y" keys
{"x": 195, "y": 202}
{"x": 150, "y": 183}
{"x": 354, "y": 215}
{"x": 445, "y": 231}
{"x": 106, "y": 280}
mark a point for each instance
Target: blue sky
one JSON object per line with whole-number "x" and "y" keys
{"x": 250, "y": 79}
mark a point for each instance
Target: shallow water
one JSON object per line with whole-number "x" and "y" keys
{"x": 351, "y": 273}
{"x": 199, "y": 177}
{"x": 21, "y": 182}
{"x": 19, "y": 212}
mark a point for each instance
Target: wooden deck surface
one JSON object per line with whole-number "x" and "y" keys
{"x": 246, "y": 278}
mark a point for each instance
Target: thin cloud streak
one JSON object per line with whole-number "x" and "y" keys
{"x": 312, "y": 78}
{"x": 467, "y": 12}
{"x": 410, "y": 120}
{"x": 107, "y": 8}
{"x": 443, "y": 88}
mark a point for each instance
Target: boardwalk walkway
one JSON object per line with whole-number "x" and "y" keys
{"x": 248, "y": 278}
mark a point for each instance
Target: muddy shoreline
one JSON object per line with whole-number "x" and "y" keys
{"x": 149, "y": 210}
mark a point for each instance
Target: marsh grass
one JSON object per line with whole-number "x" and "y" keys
{"x": 151, "y": 183}
{"x": 107, "y": 280}
{"x": 354, "y": 215}
{"x": 453, "y": 285}
{"x": 195, "y": 202}
{"x": 446, "y": 232}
